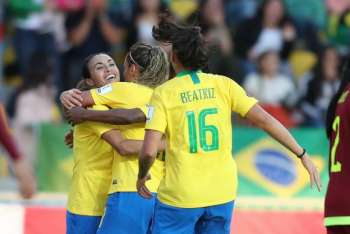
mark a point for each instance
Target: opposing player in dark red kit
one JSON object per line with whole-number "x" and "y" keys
{"x": 23, "y": 171}
{"x": 337, "y": 204}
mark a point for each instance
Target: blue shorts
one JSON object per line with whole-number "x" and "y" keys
{"x": 127, "y": 213}
{"x": 207, "y": 220}
{"x": 78, "y": 224}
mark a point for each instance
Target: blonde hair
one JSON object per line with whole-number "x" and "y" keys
{"x": 152, "y": 62}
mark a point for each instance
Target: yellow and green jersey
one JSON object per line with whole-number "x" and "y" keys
{"x": 193, "y": 110}
{"x": 125, "y": 168}
{"x": 92, "y": 170}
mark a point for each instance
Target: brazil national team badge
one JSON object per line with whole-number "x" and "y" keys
{"x": 272, "y": 167}
{"x": 150, "y": 111}
{"x": 105, "y": 89}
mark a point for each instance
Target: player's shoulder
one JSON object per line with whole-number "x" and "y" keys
{"x": 126, "y": 85}
{"x": 130, "y": 86}
{"x": 202, "y": 75}
{"x": 167, "y": 86}
{"x": 205, "y": 76}
{"x": 223, "y": 82}
{"x": 121, "y": 87}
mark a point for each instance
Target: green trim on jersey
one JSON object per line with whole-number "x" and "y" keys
{"x": 193, "y": 74}
{"x": 337, "y": 220}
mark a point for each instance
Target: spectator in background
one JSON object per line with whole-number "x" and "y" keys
{"x": 272, "y": 88}
{"x": 35, "y": 103}
{"x": 22, "y": 169}
{"x": 144, "y": 17}
{"x": 210, "y": 16}
{"x": 239, "y": 10}
{"x": 35, "y": 23}
{"x": 338, "y": 24}
{"x": 90, "y": 29}
{"x": 270, "y": 29}
{"x": 321, "y": 88}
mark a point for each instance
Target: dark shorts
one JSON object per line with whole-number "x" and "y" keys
{"x": 338, "y": 229}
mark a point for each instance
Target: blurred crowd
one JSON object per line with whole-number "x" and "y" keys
{"x": 287, "y": 53}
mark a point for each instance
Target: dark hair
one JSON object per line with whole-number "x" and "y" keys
{"x": 39, "y": 70}
{"x": 260, "y": 12}
{"x": 152, "y": 62}
{"x": 83, "y": 85}
{"x": 197, "y": 18}
{"x": 345, "y": 80}
{"x": 85, "y": 71}
{"x": 314, "y": 90}
{"x": 187, "y": 42}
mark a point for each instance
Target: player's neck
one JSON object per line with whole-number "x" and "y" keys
{"x": 179, "y": 69}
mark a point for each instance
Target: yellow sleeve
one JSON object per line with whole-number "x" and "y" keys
{"x": 106, "y": 95}
{"x": 144, "y": 109}
{"x": 156, "y": 115}
{"x": 241, "y": 102}
{"x": 100, "y": 128}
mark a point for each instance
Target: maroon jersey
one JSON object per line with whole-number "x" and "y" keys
{"x": 6, "y": 138}
{"x": 337, "y": 203}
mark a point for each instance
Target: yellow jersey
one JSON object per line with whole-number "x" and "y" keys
{"x": 92, "y": 170}
{"x": 125, "y": 168}
{"x": 193, "y": 110}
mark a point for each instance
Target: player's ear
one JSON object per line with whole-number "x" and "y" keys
{"x": 173, "y": 58}
{"x": 133, "y": 68}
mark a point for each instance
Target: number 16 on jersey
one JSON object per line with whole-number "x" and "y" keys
{"x": 197, "y": 126}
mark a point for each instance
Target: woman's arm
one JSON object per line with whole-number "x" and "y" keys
{"x": 123, "y": 146}
{"x": 114, "y": 116}
{"x": 74, "y": 97}
{"x": 260, "y": 118}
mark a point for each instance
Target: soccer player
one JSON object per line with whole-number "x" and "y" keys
{"x": 337, "y": 202}
{"x": 193, "y": 110}
{"x": 23, "y": 171}
{"x": 93, "y": 156}
{"x": 145, "y": 68}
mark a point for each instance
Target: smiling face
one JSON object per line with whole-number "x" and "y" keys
{"x": 103, "y": 70}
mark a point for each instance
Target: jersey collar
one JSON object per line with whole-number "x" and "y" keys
{"x": 187, "y": 72}
{"x": 192, "y": 73}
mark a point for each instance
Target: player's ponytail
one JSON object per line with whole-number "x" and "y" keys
{"x": 345, "y": 80}
{"x": 152, "y": 62}
{"x": 187, "y": 42}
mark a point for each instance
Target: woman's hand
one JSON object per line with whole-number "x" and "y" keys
{"x": 312, "y": 170}
{"x": 71, "y": 98}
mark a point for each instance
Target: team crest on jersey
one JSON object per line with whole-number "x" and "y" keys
{"x": 274, "y": 168}
{"x": 105, "y": 89}
{"x": 150, "y": 111}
